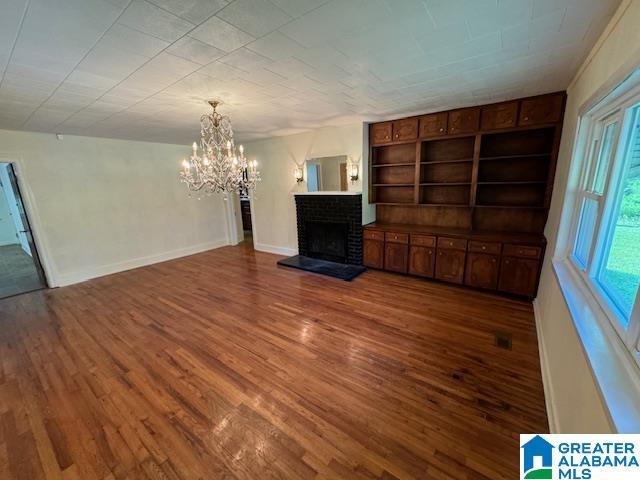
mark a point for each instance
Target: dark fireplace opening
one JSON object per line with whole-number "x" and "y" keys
{"x": 327, "y": 241}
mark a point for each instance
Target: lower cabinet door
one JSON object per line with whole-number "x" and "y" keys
{"x": 421, "y": 261}
{"x": 450, "y": 265}
{"x": 482, "y": 270}
{"x": 519, "y": 276}
{"x": 373, "y": 253}
{"x": 395, "y": 257}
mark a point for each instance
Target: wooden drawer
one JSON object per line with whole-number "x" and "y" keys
{"x": 373, "y": 235}
{"x": 484, "y": 247}
{"x": 452, "y": 243}
{"x": 396, "y": 237}
{"x": 424, "y": 240}
{"x": 524, "y": 251}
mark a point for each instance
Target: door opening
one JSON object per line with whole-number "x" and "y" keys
{"x": 247, "y": 224}
{"x": 20, "y": 267}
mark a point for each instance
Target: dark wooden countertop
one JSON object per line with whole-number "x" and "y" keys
{"x": 490, "y": 236}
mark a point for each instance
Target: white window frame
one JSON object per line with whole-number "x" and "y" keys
{"x": 622, "y": 110}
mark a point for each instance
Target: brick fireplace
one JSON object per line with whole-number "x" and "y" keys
{"x": 330, "y": 227}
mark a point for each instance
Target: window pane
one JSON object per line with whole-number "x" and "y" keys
{"x": 620, "y": 275}
{"x": 604, "y": 158}
{"x": 588, "y": 215}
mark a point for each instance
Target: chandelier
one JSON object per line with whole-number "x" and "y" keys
{"x": 216, "y": 166}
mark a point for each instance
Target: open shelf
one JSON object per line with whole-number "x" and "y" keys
{"x": 447, "y": 150}
{"x": 394, "y": 165}
{"x": 524, "y": 182}
{"x": 435, "y": 162}
{"x": 515, "y": 157}
{"x": 443, "y": 194}
{"x": 444, "y": 183}
{"x": 393, "y": 184}
{"x": 400, "y": 154}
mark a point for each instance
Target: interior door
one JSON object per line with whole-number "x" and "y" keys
{"x": 25, "y": 234}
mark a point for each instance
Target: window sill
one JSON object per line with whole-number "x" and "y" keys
{"x": 615, "y": 370}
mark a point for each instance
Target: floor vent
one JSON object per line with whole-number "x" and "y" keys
{"x": 503, "y": 340}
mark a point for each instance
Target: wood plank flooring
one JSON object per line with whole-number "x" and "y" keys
{"x": 224, "y": 366}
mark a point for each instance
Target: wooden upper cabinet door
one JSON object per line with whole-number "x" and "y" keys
{"x": 396, "y": 257}
{"x": 501, "y": 115}
{"x": 482, "y": 270}
{"x": 406, "y": 129}
{"x": 450, "y": 265}
{"x": 465, "y": 120}
{"x": 519, "y": 276}
{"x": 380, "y": 133}
{"x": 539, "y": 110}
{"x": 434, "y": 125}
{"x": 422, "y": 260}
{"x": 373, "y": 253}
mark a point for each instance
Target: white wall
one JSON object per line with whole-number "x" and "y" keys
{"x": 274, "y": 213}
{"x": 575, "y": 402}
{"x": 8, "y": 235}
{"x": 98, "y": 206}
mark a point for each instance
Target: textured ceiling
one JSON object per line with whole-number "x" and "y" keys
{"x": 142, "y": 69}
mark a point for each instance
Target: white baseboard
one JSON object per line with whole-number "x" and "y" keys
{"x": 552, "y": 415}
{"x": 64, "y": 279}
{"x": 261, "y": 247}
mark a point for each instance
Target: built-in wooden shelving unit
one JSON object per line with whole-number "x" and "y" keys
{"x": 478, "y": 169}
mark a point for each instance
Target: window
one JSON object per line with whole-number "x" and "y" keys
{"x": 606, "y": 246}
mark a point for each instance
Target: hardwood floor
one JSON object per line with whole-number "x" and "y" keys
{"x": 222, "y": 366}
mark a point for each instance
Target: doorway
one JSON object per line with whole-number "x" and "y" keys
{"x": 245, "y": 213}
{"x": 20, "y": 267}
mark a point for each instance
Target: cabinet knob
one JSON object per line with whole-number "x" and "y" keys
{"x": 442, "y": 129}
{"x": 493, "y": 260}
{"x": 429, "y": 252}
{"x": 440, "y": 253}
{"x": 507, "y": 262}
{"x": 526, "y": 118}
{"x": 484, "y": 247}
{"x": 520, "y": 252}
{"x": 451, "y": 244}
{"x": 397, "y": 136}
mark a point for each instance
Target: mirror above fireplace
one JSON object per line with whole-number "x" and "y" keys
{"x": 327, "y": 174}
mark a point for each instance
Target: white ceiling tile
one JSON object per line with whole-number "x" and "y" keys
{"x": 130, "y": 40}
{"x": 195, "y": 11}
{"x": 56, "y": 35}
{"x": 221, "y": 34}
{"x": 245, "y": 59}
{"x": 256, "y": 17}
{"x": 195, "y": 50}
{"x": 276, "y": 46}
{"x": 150, "y": 19}
{"x": 297, "y": 8}
{"x": 10, "y": 20}
{"x": 219, "y": 70}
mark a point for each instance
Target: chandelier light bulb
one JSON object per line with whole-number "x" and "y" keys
{"x": 185, "y": 164}
{"x": 241, "y": 148}
{"x": 195, "y": 147}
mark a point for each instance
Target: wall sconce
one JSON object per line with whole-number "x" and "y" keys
{"x": 353, "y": 172}
{"x": 298, "y": 174}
